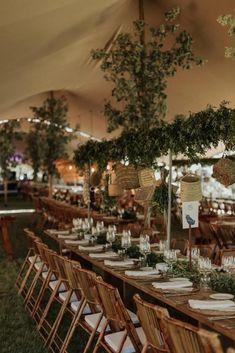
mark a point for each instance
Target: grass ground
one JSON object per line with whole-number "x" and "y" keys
{"x": 17, "y": 330}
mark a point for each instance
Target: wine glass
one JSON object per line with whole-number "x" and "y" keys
{"x": 163, "y": 245}
{"x": 110, "y": 237}
{"x": 205, "y": 267}
{"x": 228, "y": 263}
{"x": 126, "y": 241}
{"x": 195, "y": 254}
{"x": 170, "y": 257}
{"x": 144, "y": 247}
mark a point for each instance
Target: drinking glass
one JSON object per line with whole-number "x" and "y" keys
{"x": 126, "y": 241}
{"x": 144, "y": 247}
{"x": 110, "y": 237}
{"x": 205, "y": 267}
{"x": 228, "y": 263}
{"x": 170, "y": 257}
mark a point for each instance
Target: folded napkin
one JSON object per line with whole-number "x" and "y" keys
{"x": 91, "y": 248}
{"x": 173, "y": 285}
{"x": 141, "y": 273}
{"x": 212, "y": 304}
{"x": 162, "y": 266}
{"x": 76, "y": 242}
{"x": 124, "y": 263}
{"x": 71, "y": 237}
{"x": 56, "y": 231}
{"x": 104, "y": 255}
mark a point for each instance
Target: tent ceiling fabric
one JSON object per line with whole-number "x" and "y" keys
{"x": 45, "y": 45}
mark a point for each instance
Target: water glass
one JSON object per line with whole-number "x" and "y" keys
{"x": 170, "y": 256}
{"x": 110, "y": 237}
{"x": 205, "y": 267}
{"x": 163, "y": 245}
{"x": 228, "y": 263}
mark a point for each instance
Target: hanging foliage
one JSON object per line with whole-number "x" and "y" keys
{"x": 191, "y": 137}
{"x": 139, "y": 71}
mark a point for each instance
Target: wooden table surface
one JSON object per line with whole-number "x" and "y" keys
{"x": 176, "y": 302}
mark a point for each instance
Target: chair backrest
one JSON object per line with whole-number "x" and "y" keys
{"x": 60, "y": 264}
{"x": 32, "y": 238}
{"x": 116, "y": 313}
{"x": 181, "y": 244}
{"x": 206, "y": 231}
{"x": 74, "y": 284}
{"x": 223, "y": 253}
{"x": 151, "y": 317}
{"x": 50, "y": 257}
{"x": 87, "y": 280}
{"x": 207, "y": 250}
{"x": 185, "y": 338}
{"x": 41, "y": 250}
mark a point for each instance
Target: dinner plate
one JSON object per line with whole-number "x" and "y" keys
{"x": 175, "y": 279}
{"x": 221, "y": 296}
{"x": 209, "y": 312}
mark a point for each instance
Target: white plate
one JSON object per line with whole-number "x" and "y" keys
{"x": 146, "y": 268}
{"x": 221, "y": 296}
{"x": 174, "y": 279}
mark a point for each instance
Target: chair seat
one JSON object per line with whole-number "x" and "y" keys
{"x": 114, "y": 339}
{"x": 44, "y": 274}
{"x": 134, "y": 317}
{"x": 38, "y": 265}
{"x": 76, "y": 305}
{"x": 92, "y": 321}
{"x": 63, "y": 296}
{"x": 53, "y": 284}
{"x": 33, "y": 257}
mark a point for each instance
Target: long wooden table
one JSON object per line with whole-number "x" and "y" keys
{"x": 177, "y": 305}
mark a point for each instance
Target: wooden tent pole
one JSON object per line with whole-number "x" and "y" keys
{"x": 141, "y": 18}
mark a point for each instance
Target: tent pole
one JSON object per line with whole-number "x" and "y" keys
{"x": 169, "y": 201}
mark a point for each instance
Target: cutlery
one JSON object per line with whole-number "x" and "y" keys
{"x": 215, "y": 318}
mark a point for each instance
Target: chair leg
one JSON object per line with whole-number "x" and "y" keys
{"x": 59, "y": 318}
{"x": 33, "y": 285}
{"x": 100, "y": 338}
{"x": 92, "y": 335}
{"x": 41, "y": 293}
{"x": 20, "y": 275}
{"x": 27, "y": 276}
{"x": 45, "y": 312}
{"x": 73, "y": 326}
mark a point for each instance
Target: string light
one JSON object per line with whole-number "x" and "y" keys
{"x": 67, "y": 129}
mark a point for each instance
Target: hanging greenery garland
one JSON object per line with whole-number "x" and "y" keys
{"x": 191, "y": 137}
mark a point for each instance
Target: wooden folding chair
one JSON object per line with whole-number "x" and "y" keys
{"x": 181, "y": 244}
{"x": 55, "y": 286}
{"x": 42, "y": 272}
{"x": 46, "y": 277}
{"x": 185, "y": 338}
{"x": 124, "y": 337}
{"x": 75, "y": 307}
{"x": 30, "y": 266}
{"x": 91, "y": 317}
{"x": 151, "y": 317}
{"x": 223, "y": 253}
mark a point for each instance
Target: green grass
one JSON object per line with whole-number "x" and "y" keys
{"x": 18, "y": 332}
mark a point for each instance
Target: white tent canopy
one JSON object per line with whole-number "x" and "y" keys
{"x": 46, "y": 45}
